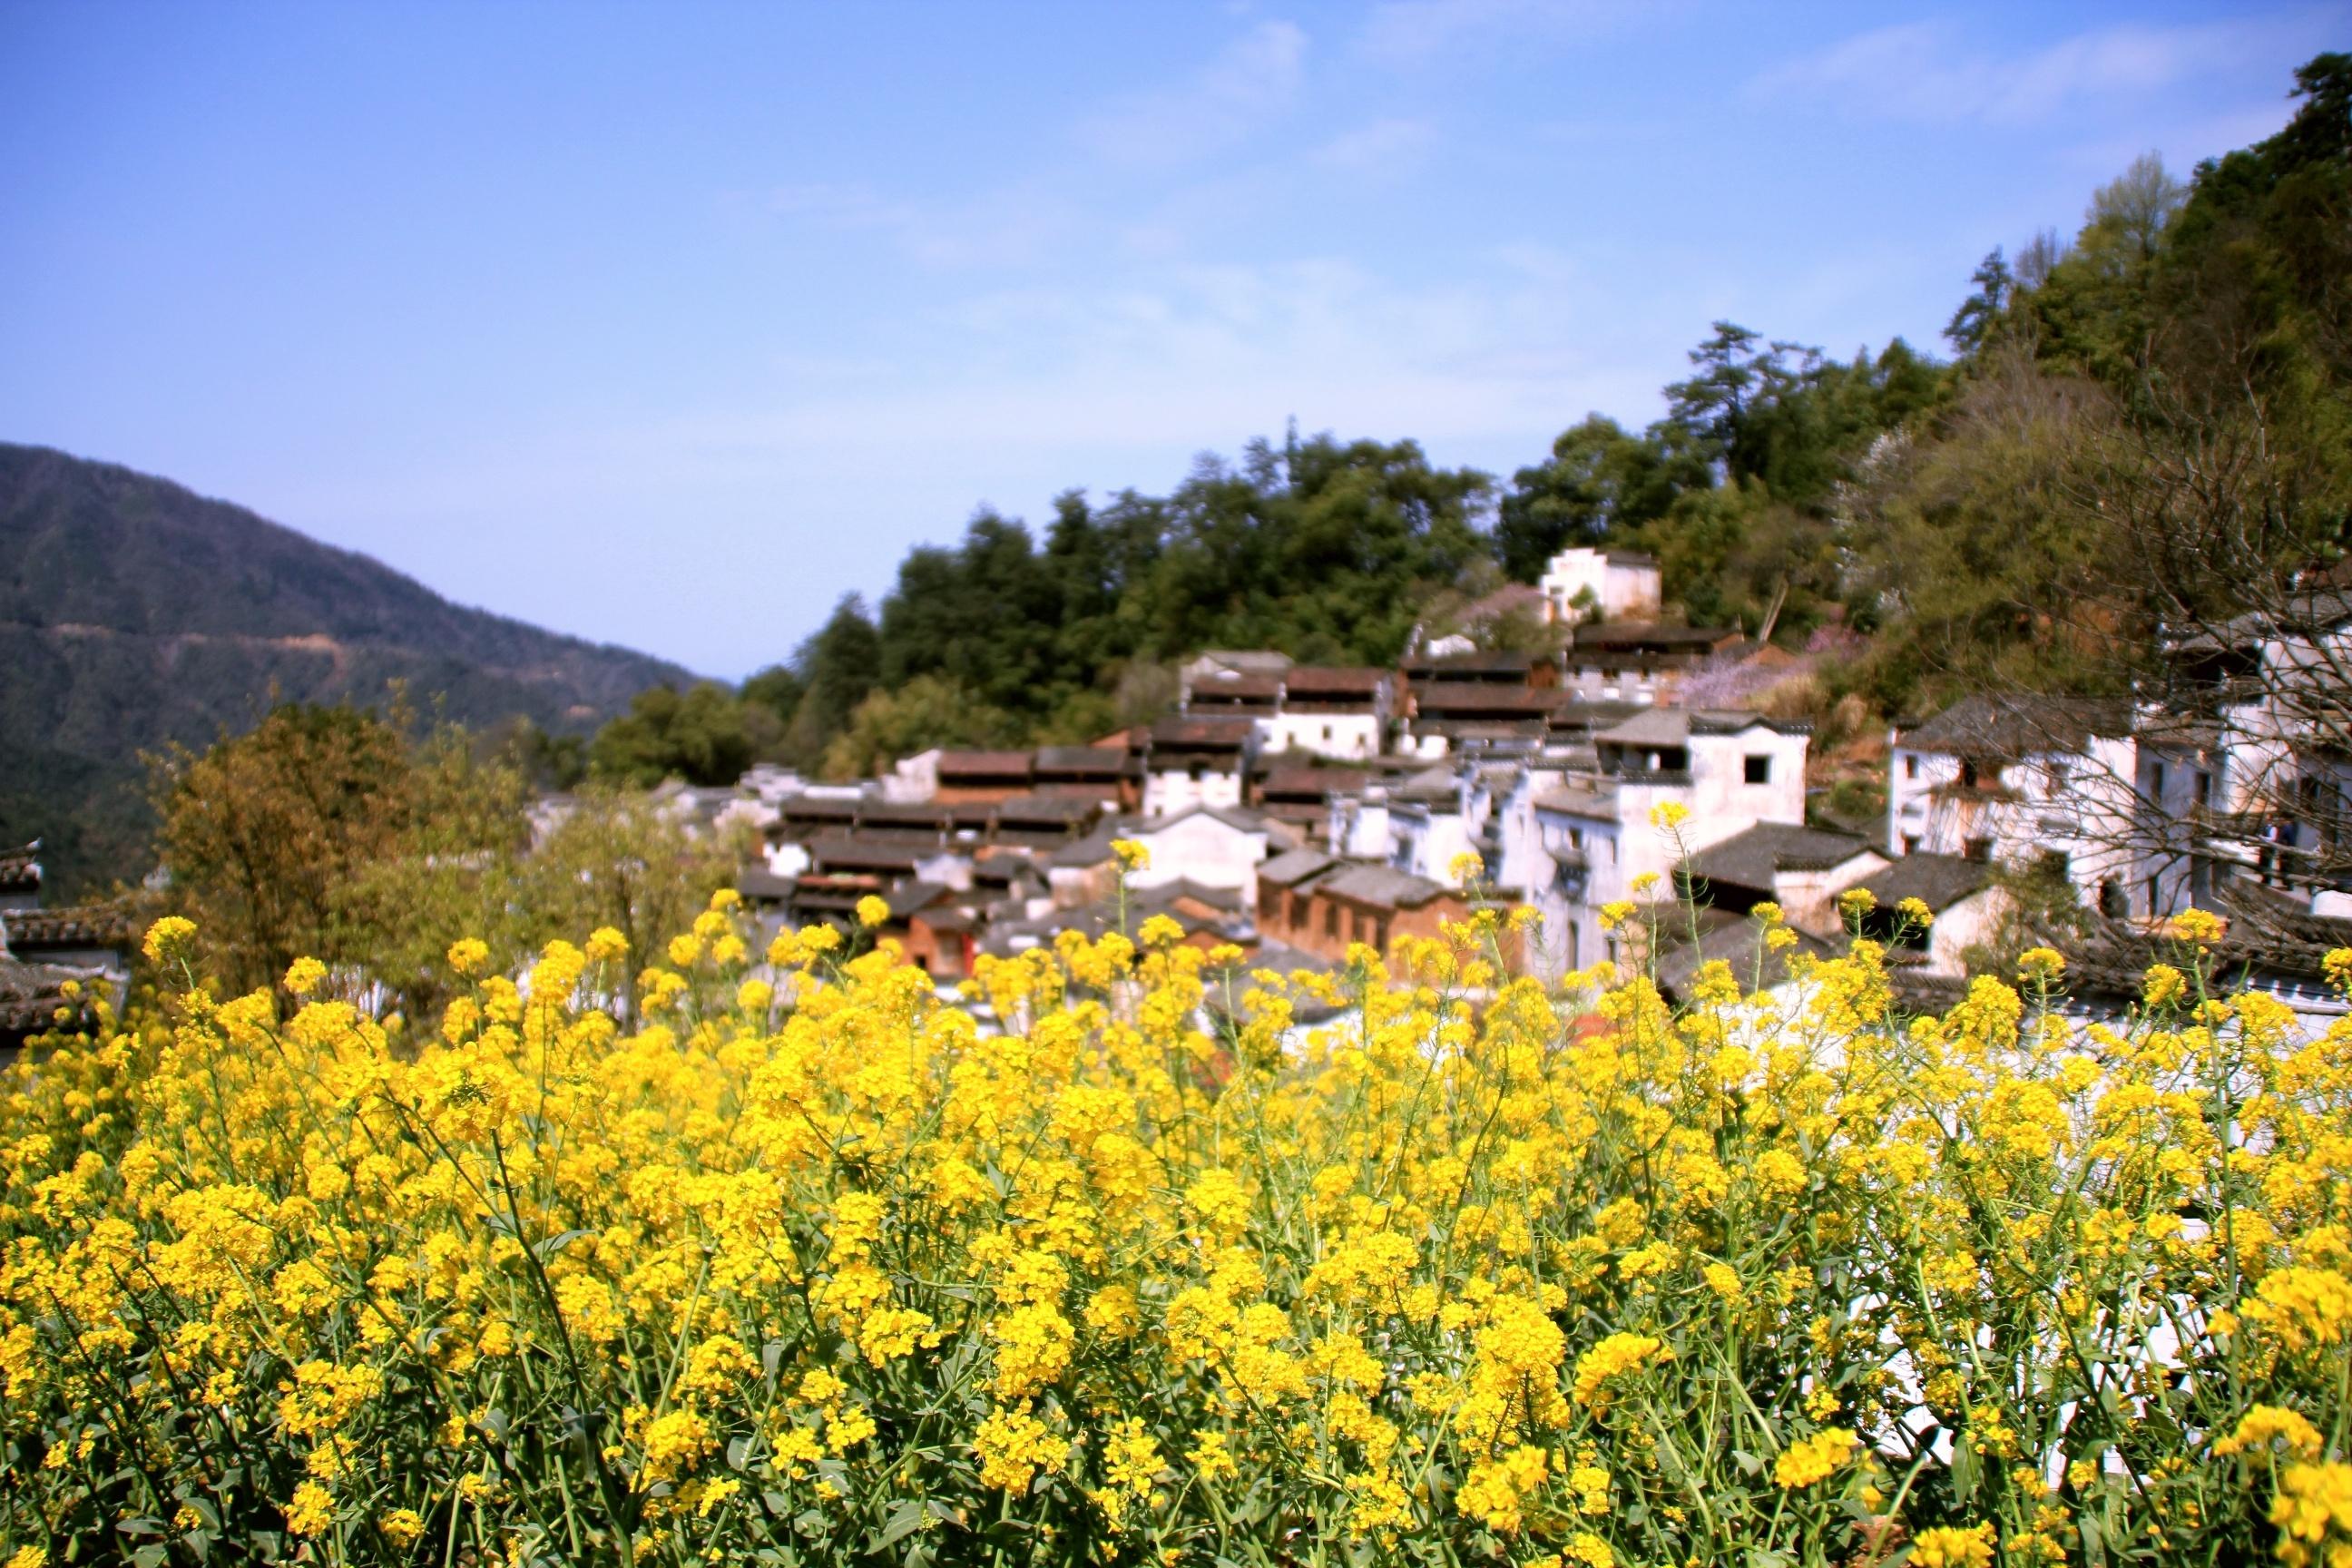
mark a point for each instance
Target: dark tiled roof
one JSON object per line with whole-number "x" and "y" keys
{"x": 763, "y": 885}
{"x": 1939, "y": 881}
{"x": 1572, "y": 713}
{"x": 1637, "y": 636}
{"x": 1315, "y": 782}
{"x": 1181, "y": 733}
{"x": 908, "y": 897}
{"x": 1382, "y": 885}
{"x": 2010, "y": 726}
{"x": 1334, "y": 681}
{"x": 1578, "y": 797}
{"x": 20, "y": 869}
{"x": 985, "y": 764}
{"x": 807, "y": 809}
{"x": 1440, "y": 697}
{"x": 1060, "y": 810}
{"x": 931, "y": 815}
{"x": 1749, "y": 857}
{"x": 1295, "y": 866}
{"x": 847, "y": 851}
{"x": 94, "y": 925}
{"x": 1090, "y": 761}
{"x": 1094, "y": 849}
{"x": 1470, "y": 664}
{"x": 1676, "y": 726}
{"x": 1238, "y": 688}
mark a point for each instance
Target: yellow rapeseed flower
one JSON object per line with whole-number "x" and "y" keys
{"x": 168, "y": 938}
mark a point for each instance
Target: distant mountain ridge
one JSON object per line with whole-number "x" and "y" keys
{"x": 134, "y": 613}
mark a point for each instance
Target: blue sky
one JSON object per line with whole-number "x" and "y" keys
{"x": 666, "y": 325}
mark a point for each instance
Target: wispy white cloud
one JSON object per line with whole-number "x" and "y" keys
{"x": 1928, "y": 71}
{"x": 1009, "y": 226}
{"x": 1411, "y": 33}
{"x": 1382, "y": 147}
{"x": 1253, "y": 82}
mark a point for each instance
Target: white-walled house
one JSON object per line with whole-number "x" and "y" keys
{"x": 1802, "y": 869}
{"x": 1195, "y": 762}
{"x": 1600, "y": 584}
{"x": 1209, "y": 847}
{"x": 1334, "y": 711}
{"x": 2014, "y": 780}
{"x": 1577, "y": 842}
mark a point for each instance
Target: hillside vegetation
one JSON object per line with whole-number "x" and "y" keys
{"x": 134, "y": 614}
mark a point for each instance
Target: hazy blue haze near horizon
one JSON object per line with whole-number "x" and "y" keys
{"x": 668, "y": 324}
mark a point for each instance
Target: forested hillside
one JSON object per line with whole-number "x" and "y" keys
{"x": 134, "y": 614}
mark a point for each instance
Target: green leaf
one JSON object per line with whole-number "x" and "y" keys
{"x": 905, "y": 1517}
{"x": 553, "y": 1245}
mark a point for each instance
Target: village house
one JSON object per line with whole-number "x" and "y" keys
{"x": 1335, "y": 711}
{"x": 1444, "y": 717}
{"x": 1213, "y": 846}
{"x": 1102, "y": 773}
{"x": 978, "y": 776}
{"x": 2015, "y": 781}
{"x": 1802, "y": 869}
{"x": 1195, "y": 762}
{"x": 1587, "y": 585}
{"x": 1574, "y": 843}
{"x": 1639, "y": 661}
{"x": 1301, "y": 797}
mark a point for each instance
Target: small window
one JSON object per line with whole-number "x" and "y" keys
{"x": 1910, "y": 844}
{"x": 2155, "y": 787}
{"x": 2204, "y": 788}
{"x": 1911, "y": 765}
{"x": 1978, "y": 849}
{"x": 1331, "y": 921}
{"x": 1575, "y": 956}
{"x": 1967, "y": 773}
{"x": 1760, "y": 770}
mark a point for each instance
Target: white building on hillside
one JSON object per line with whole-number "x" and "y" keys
{"x": 1574, "y": 842}
{"x": 1601, "y": 586}
{"x": 2018, "y": 781}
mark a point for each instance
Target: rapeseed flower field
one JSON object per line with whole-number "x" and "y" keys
{"x": 719, "y": 1255}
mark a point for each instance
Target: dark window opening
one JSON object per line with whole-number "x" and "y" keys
{"x": 1760, "y": 770}
{"x": 1979, "y": 849}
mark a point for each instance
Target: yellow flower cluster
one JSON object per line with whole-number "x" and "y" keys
{"x": 792, "y": 1260}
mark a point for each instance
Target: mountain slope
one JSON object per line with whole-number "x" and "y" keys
{"x": 134, "y": 613}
